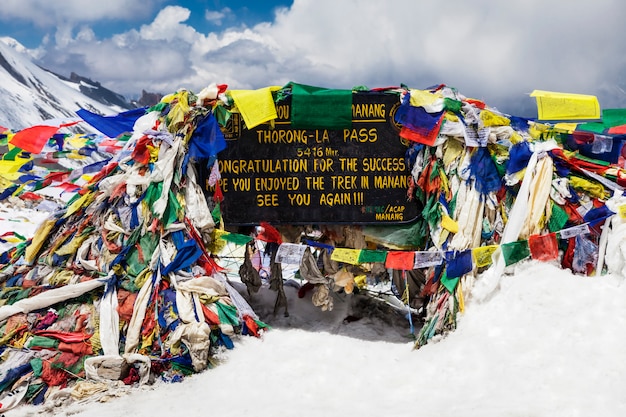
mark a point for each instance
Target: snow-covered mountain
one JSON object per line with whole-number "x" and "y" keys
{"x": 30, "y": 95}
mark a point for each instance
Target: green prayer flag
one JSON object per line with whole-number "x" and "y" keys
{"x": 227, "y": 314}
{"x": 368, "y": 255}
{"x": 613, "y": 117}
{"x": 449, "y": 283}
{"x": 558, "y": 218}
{"x": 452, "y": 105}
{"x": 237, "y": 238}
{"x": 514, "y": 252}
{"x": 320, "y": 108}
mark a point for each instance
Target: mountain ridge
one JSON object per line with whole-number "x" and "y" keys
{"x": 32, "y": 95}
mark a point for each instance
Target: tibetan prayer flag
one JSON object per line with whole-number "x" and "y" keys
{"x": 256, "y": 106}
{"x": 458, "y": 263}
{"x": 566, "y": 106}
{"x": 449, "y": 283}
{"x": 432, "y": 103}
{"x": 269, "y": 233}
{"x": 514, "y": 252}
{"x": 112, "y": 126}
{"x": 401, "y": 260}
{"x": 449, "y": 224}
{"x": 290, "y": 253}
{"x": 187, "y": 253}
{"x": 237, "y": 238}
{"x": 482, "y": 255}
{"x": 425, "y": 259}
{"x": 349, "y": 256}
{"x": 371, "y": 256}
{"x": 543, "y": 247}
{"x": 33, "y": 139}
{"x": 207, "y": 140}
{"x": 558, "y": 218}
{"x": 320, "y": 108}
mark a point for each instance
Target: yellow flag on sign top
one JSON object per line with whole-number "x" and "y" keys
{"x": 566, "y": 106}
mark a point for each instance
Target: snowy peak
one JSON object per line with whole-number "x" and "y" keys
{"x": 30, "y": 95}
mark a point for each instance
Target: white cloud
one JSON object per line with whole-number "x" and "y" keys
{"x": 46, "y": 13}
{"x": 488, "y": 50}
{"x": 216, "y": 17}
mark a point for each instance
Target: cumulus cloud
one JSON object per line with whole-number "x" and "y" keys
{"x": 495, "y": 51}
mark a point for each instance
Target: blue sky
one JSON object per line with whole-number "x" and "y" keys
{"x": 497, "y": 51}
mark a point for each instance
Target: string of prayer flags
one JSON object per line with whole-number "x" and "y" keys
{"x": 544, "y": 247}
{"x": 400, "y": 260}
{"x": 290, "y": 253}
{"x": 371, "y": 256}
{"x": 514, "y": 252}
{"x": 458, "y": 263}
{"x": 425, "y": 259}
{"x": 482, "y": 255}
{"x": 348, "y": 256}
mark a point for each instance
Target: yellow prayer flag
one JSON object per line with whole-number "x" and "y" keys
{"x": 361, "y": 281}
{"x": 76, "y": 141}
{"x": 424, "y": 98}
{"x": 566, "y": 106}
{"x": 449, "y": 224}
{"x": 348, "y": 256}
{"x": 8, "y": 167}
{"x": 565, "y": 127}
{"x": 256, "y": 106}
{"x": 482, "y": 255}
{"x": 38, "y": 239}
{"x": 622, "y": 211}
{"x": 76, "y": 205}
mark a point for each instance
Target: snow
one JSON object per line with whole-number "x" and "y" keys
{"x": 46, "y": 95}
{"x": 545, "y": 343}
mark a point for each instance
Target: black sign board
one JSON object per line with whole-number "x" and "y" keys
{"x": 282, "y": 175}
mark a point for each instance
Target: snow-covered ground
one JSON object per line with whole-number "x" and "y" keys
{"x": 546, "y": 343}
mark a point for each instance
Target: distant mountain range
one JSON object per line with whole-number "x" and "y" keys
{"x": 31, "y": 95}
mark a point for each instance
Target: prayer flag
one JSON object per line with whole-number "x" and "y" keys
{"x": 401, "y": 260}
{"x": 349, "y": 256}
{"x": 33, "y": 139}
{"x": 112, "y": 126}
{"x": 315, "y": 107}
{"x": 543, "y": 247}
{"x": 290, "y": 253}
{"x": 458, "y": 263}
{"x": 566, "y": 106}
{"x": 514, "y": 252}
{"x": 256, "y": 106}
{"x": 424, "y": 259}
{"x": 236, "y": 238}
{"x": 370, "y": 256}
{"x": 482, "y": 255}
{"x": 449, "y": 283}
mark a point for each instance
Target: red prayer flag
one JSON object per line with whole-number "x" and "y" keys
{"x": 401, "y": 260}
{"x": 269, "y": 233}
{"x": 426, "y": 137}
{"x": 543, "y": 247}
{"x": 617, "y": 130}
{"x": 33, "y": 139}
